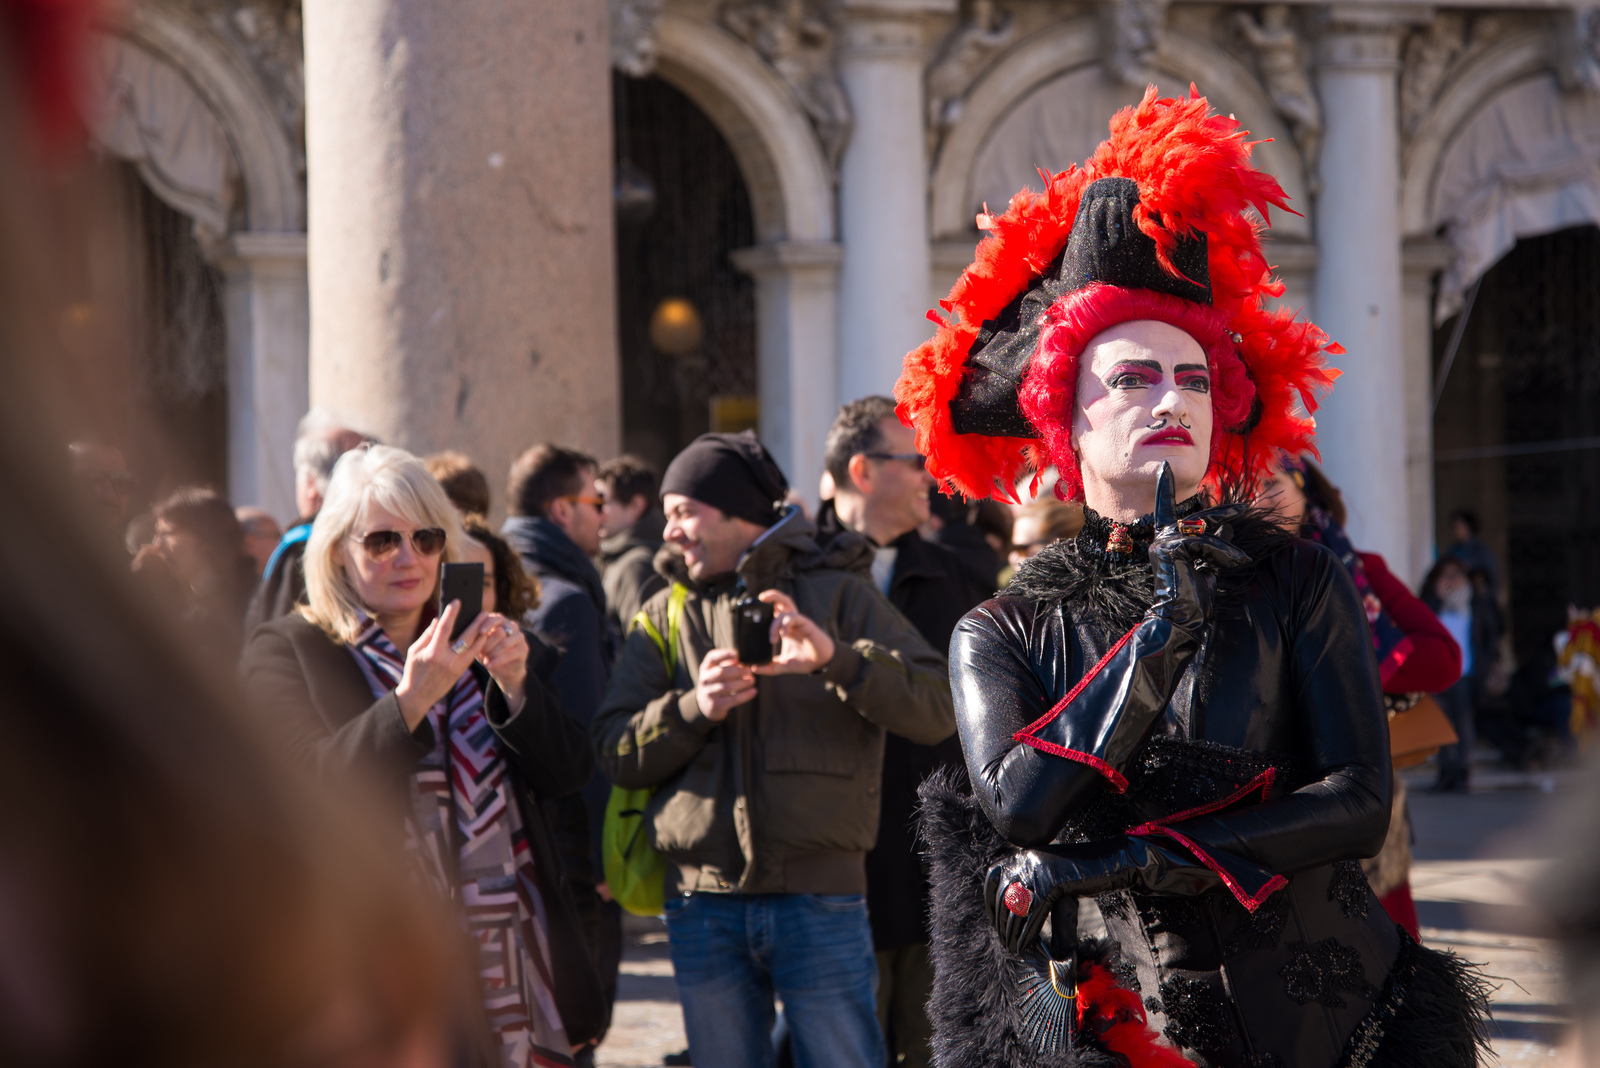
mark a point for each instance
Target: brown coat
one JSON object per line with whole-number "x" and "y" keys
{"x": 782, "y": 796}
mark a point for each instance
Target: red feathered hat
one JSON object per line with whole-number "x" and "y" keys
{"x": 1153, "y": 226}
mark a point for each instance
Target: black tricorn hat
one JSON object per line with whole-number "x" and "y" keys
{"x": 1105, "y": 246}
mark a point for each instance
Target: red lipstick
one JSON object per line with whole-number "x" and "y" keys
{"x": 1172, "y": 435}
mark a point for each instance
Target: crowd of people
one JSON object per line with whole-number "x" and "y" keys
{"x": 782, "y": 793}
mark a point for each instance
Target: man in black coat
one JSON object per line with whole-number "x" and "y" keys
{"x": 882, "y": 491}
{"x": 555, "y": 528}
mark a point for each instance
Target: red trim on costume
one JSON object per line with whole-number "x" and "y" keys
{"x": 1026, "y": 735}
{"x": 1114, "y": 778}
{"x": 1262, "y": 782}
{"x": 1249, "y": 901}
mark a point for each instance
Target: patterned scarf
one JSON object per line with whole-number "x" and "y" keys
{"x": 466, "y": 834}
{"x": 1319, "y": 526}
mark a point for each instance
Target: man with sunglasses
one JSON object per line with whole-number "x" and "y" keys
{"x": 882, "y": 491}
{"x": 555, "y": 527}
{"x": 103, "y": 472}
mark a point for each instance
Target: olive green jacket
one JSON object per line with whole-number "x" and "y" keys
{"x": 782, "y": 795}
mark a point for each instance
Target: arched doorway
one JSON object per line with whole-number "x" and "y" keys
{"x": 204, "y": 167}
{"x": 1517, "y": 429}
{"x": 177, "y": 347}
{"x": 677, "y": 249}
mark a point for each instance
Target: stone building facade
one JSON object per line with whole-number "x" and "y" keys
{"x": 460, "y": 174}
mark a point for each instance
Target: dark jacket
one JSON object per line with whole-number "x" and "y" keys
{"x": 782, "y": 796}
{"x": 628, "y": 564}
{"x": 572, "y": 617}
{"x": 283, "y": 580}
{"x": 965, "y": 539}
{"x": 316, "y": 700}
{"x": 933, "y": 590}
{"x": 1278, "y": 691}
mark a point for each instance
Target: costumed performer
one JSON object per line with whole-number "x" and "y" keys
{"x": 1177, "y": 712}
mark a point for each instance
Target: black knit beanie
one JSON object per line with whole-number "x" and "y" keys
{"x": 731, "y": 472}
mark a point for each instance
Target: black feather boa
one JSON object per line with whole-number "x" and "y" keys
{"x": 977, "y": 1021}
{"x": 1114, "y": 591}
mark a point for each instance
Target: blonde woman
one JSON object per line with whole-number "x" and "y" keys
{"x": 364, "y": 680}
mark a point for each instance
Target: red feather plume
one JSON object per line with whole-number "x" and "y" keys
{"x": 1194, "y": 174}
{"x": 1116, "y": 1018}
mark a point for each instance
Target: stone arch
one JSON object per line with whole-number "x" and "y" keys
{"x": 796, "y": 258}
{"x": 193, "y": 116}
{"x": 1468, "y": 177}
{"x": 168, "y": 52}
{"x": 1071, "y": 46}
{"x": 791, "y": 184}
{"x": 1482, "y": 78}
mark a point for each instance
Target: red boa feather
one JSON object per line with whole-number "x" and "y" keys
{"x": 1194, "y": 174}
{"x": 1117, "y": 1019}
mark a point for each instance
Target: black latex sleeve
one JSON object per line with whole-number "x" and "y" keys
{"x": 1344, "y": 813}
{"x": 1033, "y": 759}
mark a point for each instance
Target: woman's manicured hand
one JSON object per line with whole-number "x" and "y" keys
{"x": 434, "y": 663}
{"x": 505, "y": 654}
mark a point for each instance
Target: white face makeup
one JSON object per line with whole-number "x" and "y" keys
{"x": 1144, "y": 396}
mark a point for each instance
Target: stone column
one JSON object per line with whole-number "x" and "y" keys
{"x": 883, "y": 191}
{"x": 796, "y": 326}
{"x": 264, "y": 304}
{"x": 1362, "y": 429}
{"x": 462, "y": 258}
{"x": 1422, "y": 260}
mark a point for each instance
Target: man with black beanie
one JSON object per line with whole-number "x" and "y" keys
{"x": 766, "y": 775}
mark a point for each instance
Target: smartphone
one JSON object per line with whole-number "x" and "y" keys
{"x": 464, "y": 583}
{"x": 752, "y": 631}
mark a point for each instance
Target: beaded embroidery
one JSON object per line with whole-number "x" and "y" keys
{"x": 1319, "y": 970}
{"x": 1196, "y": 1016}
{"x": 1261, "y": 927}
{"x": 1349, "y": 887}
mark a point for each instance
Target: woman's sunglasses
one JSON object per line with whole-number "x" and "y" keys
{"x": 382, "y": 544}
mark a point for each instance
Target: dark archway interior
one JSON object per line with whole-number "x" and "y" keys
{"x": 680, "y": 249}
{"x": 1517, "y": 432}
{"x": 146, "y": 269}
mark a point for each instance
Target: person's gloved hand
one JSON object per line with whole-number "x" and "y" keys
{"x": 1186, "y": 556}
{"x": 1020, "y": 891}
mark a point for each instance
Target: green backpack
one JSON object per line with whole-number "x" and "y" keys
{"x": 635, "y": 873}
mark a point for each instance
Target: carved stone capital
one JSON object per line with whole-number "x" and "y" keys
{"x": 1363, "y": 37}
{"x": 886, "y": 29}
{"x": 633, "y": 36}
{"x": 908, "y": 10}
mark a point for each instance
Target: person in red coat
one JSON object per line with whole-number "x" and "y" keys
{"x": 1416, "y": 654}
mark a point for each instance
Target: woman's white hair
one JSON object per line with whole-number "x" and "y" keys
{"x": 391, "y": 479}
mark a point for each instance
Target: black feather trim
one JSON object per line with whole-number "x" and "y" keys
{"x": 1114, "y": 591}
{"x": 1433, "y": 1011}
{"x": 975, "y": 1006}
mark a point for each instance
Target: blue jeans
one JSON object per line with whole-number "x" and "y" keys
{"x": 732, "y": 952}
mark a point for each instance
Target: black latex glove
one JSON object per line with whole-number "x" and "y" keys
{"x": 1185, "y": 564}
{"x": 1048, "y": 875}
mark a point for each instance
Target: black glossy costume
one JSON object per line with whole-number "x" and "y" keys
{"x": 1249, "y": 930}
